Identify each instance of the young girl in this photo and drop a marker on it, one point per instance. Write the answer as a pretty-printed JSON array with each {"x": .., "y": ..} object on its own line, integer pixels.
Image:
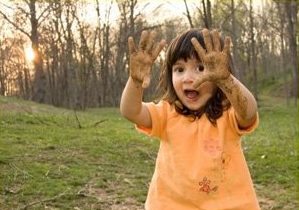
[{"x": 203, "y": 112}]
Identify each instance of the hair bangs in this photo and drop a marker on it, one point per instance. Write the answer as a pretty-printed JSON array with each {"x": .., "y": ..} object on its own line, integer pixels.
[{"x": 184, "y": 49}]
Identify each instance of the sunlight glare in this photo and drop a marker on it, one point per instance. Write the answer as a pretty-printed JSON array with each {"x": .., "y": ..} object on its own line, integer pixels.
[{"x": 29, "y": 53}]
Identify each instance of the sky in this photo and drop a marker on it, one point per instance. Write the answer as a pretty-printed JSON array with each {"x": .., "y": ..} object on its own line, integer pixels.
[{"x": 158, "y": 10}]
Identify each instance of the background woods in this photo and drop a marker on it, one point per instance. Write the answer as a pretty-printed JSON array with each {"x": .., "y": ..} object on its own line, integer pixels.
[{"x": 80, "y": 47}]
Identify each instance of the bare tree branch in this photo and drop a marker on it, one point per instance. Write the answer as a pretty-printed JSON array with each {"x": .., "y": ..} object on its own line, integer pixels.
[
  {"x": 15, "y": 25},
  {"x": 188, "y": 14},
  {"x": 41, "y": 17},
  {"x": 43, "y": 201}
]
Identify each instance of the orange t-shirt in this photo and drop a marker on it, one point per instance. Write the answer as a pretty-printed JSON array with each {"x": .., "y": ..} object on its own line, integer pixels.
[{"x": 199, "y": 166}]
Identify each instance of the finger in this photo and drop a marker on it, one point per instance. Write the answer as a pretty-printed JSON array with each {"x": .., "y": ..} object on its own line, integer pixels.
[
  {"x": 216, "y": 40},
  {"x": 150, "y": 42},
  {"x": 143, "y": 40},
  {"x": 227, "y": 43},
  {"x": 157, "y": 49},
  {"x": 146, "y": 81},
  {"x": 131, "y": 44},
  {"x": 199, "y": 49},
  {"x": 207, "y": 40}
]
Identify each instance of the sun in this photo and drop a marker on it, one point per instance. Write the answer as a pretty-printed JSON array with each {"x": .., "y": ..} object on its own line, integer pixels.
[{"x": 29, "y": 54}]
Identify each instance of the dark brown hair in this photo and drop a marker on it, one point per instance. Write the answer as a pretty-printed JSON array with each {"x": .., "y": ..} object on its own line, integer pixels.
[{"x": 182, "y": 48}]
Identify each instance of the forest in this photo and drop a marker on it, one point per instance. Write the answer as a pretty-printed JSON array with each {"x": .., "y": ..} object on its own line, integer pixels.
[{"x": 74, "y": 54}]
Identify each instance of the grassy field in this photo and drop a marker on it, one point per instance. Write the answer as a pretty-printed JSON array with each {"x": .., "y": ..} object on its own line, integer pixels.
[{"x": 53, "y": 158}]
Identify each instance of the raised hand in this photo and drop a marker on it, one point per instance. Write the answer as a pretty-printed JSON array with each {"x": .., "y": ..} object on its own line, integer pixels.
[
  {"x": 215, "y": 60},
  {"x": 143, "y": 57}
]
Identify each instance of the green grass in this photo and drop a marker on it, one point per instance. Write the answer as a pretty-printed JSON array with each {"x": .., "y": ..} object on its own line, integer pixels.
[
  {"x": 272, "y": 155},
  {"x": 48, "y": 162}
]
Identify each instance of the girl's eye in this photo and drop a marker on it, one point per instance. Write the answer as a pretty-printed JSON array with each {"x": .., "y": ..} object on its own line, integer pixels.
[
  {"x": 200, "y": 67},
  {"x": 178, "y": 69}
]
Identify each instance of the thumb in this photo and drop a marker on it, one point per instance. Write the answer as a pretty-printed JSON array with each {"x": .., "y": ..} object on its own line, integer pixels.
[
  {"x": 199, "y": 81},
  {"x": 146, "y": 81}
]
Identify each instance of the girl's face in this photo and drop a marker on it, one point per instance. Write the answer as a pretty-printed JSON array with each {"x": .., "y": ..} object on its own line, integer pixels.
[{"x": 184, "y": 74}]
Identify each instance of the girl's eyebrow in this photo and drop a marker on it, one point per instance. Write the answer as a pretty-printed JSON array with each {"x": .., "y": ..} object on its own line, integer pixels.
[{"x": 178, "y": 63}]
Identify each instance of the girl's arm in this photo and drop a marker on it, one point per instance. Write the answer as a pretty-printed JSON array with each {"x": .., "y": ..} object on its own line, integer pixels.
[
  {"x": 141, "y": 61},
  {"x": 216, "y": 69},
  {"x": 241, "y": 99},
  {"x": 131, "y": 106}
]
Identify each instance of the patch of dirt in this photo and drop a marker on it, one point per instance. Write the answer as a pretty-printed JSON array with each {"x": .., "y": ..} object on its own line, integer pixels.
[
  {"x": 15, "y": 107},
  {"x": 109, "y": 201},
  {"x": 273, "y": 197},
  {"x": 266, "y": 203},
  {"x": 269, "y": 199}
]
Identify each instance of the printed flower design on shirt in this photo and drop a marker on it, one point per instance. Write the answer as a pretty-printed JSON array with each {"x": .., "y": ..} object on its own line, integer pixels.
[
  {"x": 212, "y": 147},
  {"x": 205, "y": 186}
]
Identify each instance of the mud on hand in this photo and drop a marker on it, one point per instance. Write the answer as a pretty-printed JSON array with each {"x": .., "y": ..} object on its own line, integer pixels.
[{"x": 143, "y": 57}]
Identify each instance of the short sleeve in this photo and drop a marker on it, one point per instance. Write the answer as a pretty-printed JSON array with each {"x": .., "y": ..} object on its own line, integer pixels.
[
  {"x": 158, "y": 113},
  {"x": 234, "y": 123}
]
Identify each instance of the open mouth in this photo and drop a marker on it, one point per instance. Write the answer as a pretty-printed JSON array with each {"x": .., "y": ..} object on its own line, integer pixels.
[{"x": 191, "y": 94}]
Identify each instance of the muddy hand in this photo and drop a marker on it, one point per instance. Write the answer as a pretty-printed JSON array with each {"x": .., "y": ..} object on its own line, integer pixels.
[
  {"x": 215, "y": 60},
  {"x": 143, "y": 57}
]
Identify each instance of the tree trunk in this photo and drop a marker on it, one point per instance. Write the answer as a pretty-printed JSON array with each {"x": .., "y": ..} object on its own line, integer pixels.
[
  {"x": 2, "y": 73},
  {"x": 126, "y": 29},
  {"x": 40, "y": 83},
  {"x": 253, "y": 53},
  {"x": 71, "y": 68},
  {"x": 105, "y": 66},
  {"x": 188, "y": 15},
  {"x": 238, "y": 71},
  {"x": 207, "y": 13},
  {"x": 283, "y": 66},
  {"x": 291, "y": 12}
]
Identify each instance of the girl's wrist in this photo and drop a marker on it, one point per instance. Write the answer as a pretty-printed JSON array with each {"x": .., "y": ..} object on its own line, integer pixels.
[
  {"x": 225, "y": 80},
  {"x": 136, "y": 82},
  {"x": 227, "y": 84}
]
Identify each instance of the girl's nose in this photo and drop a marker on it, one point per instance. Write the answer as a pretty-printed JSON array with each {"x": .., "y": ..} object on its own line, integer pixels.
[{"x": 189, "y": 76}]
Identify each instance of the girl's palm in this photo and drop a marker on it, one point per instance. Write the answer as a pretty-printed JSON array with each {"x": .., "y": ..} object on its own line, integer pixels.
[
  {"x": 143, "y": 57},
  {"x": 215, "y": 61}
]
